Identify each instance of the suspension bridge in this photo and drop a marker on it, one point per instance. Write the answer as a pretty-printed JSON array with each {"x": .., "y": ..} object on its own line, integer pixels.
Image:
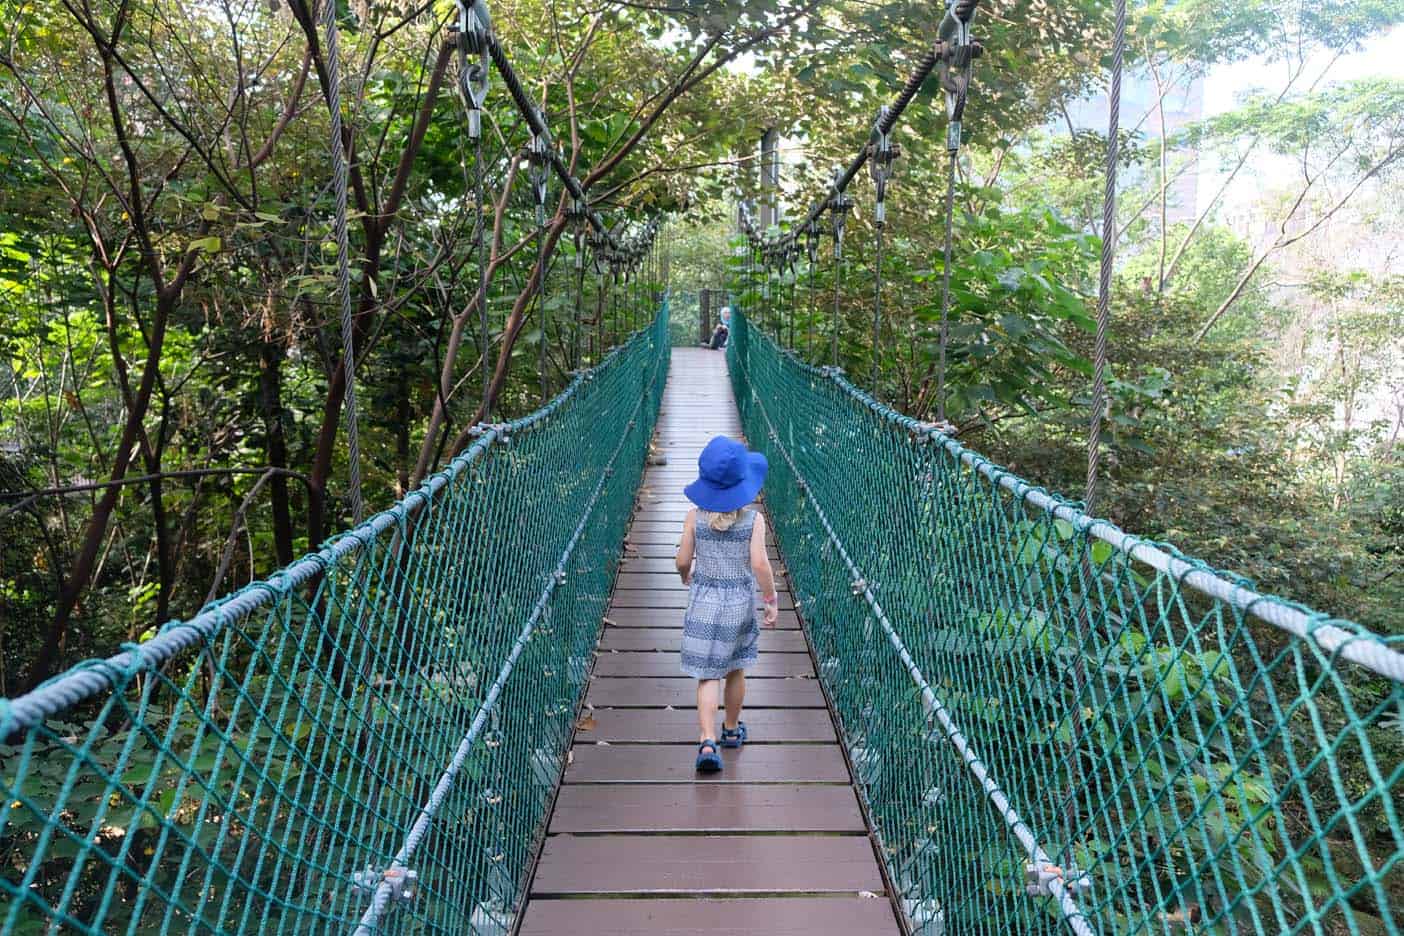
[{"x": 984, "y": 709}]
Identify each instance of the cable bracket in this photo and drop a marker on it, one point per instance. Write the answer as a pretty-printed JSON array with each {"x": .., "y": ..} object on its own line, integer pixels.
[
  {"x": 539, "y": 160},
  {"x": 882, "y": 153},
  {"x": 474, "y": 32},
  {"x": 404, "y": 883},
  {"x": 1040, "y": 878},
  {"x": 957, "y": 52},
  {"x": 839, "y": 207}
]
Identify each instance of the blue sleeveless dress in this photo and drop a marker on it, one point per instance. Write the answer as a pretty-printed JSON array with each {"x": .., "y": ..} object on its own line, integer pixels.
[{"x": 721, "y": 632}]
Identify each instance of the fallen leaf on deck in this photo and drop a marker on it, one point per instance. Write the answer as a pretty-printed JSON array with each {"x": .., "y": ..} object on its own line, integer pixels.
[{"x": 585, "y": 723}]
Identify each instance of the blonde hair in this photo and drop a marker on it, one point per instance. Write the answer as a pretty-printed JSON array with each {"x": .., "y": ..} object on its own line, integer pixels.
[{"x": 721, "y": 522}]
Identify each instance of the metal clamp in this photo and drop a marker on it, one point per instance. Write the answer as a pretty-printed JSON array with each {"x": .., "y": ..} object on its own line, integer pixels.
[
  {"x": 957, "y": 52},
  {"x": 474, "y": 33},
  {"x": 924, "y": 429},
  {"x": 599, "y": 251},
  {"x": 538, "y": 159},
  {"x": 404, "y": 882},
  {"x": 578, "y": 216},
  {"x": 503, "y": 430},
  {"x": 1039, "y": 879},
  {"x": 882, "y": 153},
  {"x": 578, "y": 213},
  {"x": 839, "y": 207}
]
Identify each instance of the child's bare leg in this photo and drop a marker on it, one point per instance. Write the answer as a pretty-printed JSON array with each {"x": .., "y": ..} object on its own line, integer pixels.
[
  {"x": 707, "y": 708},
  {"x": 735, "y": 695}
]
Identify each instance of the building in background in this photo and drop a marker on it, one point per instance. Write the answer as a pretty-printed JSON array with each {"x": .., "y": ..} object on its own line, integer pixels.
[{"x": 1140, "y": 105}]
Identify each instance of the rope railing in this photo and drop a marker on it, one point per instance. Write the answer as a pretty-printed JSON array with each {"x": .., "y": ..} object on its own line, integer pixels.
[
  {"x": 1237, "y": 757},
  {"x": 373, "y": 733},
  {"x": 622, "y": 251}
]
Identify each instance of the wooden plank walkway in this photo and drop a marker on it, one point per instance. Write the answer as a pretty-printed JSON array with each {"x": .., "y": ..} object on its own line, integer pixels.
[{"x": 638, "y": 842}]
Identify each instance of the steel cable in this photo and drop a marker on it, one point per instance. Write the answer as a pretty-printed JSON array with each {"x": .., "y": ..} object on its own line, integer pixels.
[{"x": 340, "y": 174}]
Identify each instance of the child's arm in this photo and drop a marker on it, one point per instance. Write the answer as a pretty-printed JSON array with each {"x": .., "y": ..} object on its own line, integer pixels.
[
  {"x": 683, "y": 559},
  {"x": 765, "y": 576}
]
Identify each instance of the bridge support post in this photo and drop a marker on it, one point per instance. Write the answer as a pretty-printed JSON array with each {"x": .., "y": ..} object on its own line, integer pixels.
[{"x": 704, "y": 314}]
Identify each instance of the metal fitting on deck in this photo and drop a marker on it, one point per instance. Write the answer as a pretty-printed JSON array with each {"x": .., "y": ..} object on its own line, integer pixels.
[
  {"x": 503, "y": 430},
  {"x": 404, "y": 883},
  {"x": 839, "y": 207},
  {"x": 538, "y": 162},
  {"x": 924, "y": 429},
  {"x": 474, "y": 29},
  {"x": 1039, "y": 879},
  {"x": 882, "y": 153}
]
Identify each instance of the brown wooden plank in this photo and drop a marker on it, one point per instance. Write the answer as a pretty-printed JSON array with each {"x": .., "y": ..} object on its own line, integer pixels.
[
  {"x": 672, "y": 617},
  {"x": 676, "y": 763},
  {"x": 653, "y": 536},
  {"x": 668, "y": 550},
  {"x": 664, "y": 638},
  {"x": 653, "y": 564},
  {"x": 663, "y": 565},
  {"x": 687, "y": 916},
  {"x": 681, "y": 692},
  {"x": 659, "y": 726},
  {"x": 723, "y": 864},
  {"x": 657, "y": 580},
  {"x": 659, "y": 663},
  {"x": 656, "y": 515},
  {"x": 664, "y": 581},
  {"x": 632, "y": 819},
  {"x": 636, "y": 598},
  {"x": 706, "y": 807}
]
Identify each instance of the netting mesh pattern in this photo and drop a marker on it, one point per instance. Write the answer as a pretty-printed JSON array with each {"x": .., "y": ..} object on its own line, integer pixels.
[
  {"x": 1022, "y": 688},
  {"x": 261, "y": 767}
]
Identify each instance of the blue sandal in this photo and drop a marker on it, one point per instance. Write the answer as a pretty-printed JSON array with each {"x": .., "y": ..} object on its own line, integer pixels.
[
  {"x": 708, "y": 761},
  {"x": 733, "y": 737}
]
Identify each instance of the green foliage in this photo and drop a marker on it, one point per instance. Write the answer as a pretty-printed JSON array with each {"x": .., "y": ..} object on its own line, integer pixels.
[
  {"x": 248, "y": 783},
  {"x": 1173, "y": 747}
]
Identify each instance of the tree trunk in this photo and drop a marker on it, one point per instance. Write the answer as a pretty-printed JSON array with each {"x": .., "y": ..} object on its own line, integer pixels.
[
  {"x": 271, "y": 354},
  {"x": 76, "y": 583}
]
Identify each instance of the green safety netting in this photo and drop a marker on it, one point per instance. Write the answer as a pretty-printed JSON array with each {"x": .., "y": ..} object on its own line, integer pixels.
[
  {"x": 1060, "y": 727},
  {"x": 386, "y": 717}
]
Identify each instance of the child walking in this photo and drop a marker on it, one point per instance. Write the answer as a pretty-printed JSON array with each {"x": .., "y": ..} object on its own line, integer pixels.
[{"x": 722, "y": 560}]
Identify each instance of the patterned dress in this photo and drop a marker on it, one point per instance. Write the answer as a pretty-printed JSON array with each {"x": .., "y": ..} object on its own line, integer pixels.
[{"x": 720, "y": 627}]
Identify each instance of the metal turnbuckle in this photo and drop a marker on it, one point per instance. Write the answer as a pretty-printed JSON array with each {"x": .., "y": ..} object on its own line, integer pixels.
[
  {"x": 474, "y": 33},
  {"x": 1039, "y": 879},
  {"x": 404, "y": 882}
]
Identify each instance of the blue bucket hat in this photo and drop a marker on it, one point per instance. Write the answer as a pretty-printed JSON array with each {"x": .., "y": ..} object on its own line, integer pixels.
[{"x": 729, "y": 476}]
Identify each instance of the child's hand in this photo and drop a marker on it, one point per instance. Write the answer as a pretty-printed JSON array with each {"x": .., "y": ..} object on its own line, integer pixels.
[
  {"x": 686, "y": 575},
  {"x": 771, "y": 613}
]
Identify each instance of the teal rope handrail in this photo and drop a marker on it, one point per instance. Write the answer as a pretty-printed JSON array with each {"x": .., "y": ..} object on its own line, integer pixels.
[
  {"x": 406, "y": 692},
  {"x": 1233, "y": 764}
]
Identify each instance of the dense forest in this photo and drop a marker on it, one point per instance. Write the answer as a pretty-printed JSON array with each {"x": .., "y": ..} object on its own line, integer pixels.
[
  {"x": 174, "y": 382},
  {"x": 168, "y": 272},
  {"x": 171, "y": 370}
]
